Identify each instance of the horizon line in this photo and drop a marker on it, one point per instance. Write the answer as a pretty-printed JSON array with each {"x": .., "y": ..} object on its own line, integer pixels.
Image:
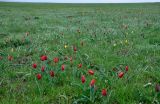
[
  {"x": 81, "y": 2},
  {"x": 76, "y": 2}
]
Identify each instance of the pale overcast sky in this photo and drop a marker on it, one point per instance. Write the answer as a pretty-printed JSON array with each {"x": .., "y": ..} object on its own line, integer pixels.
[{"x": 83, "y": 1}]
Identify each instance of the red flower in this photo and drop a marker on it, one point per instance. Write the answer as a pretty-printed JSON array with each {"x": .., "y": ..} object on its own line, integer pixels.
[
  {"x": 10, "y": 58},
  {"x": 92, "y": 82},
  {"x": 120, "y": 74},
  {"x": 42, "y": 68},
  {"x": 104, "y": 92},
  {"x": 75, "y": 49},
  {"x": 43, "y": 58},
  {"x": 63, "y": 67},
  {"x": 39, "y": 76},
  {"x": 79, "y": 65},
  {"x": 83, "y": 79},
  {"x": 52, "y": 73},
  {"x": 126, "y": 68},
  {"x": 34, "y": 65},
  {"x": 56, "y": 59},
  {"x": 90, "y": 72}
]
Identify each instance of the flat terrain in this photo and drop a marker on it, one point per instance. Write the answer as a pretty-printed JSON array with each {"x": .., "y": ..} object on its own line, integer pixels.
[{"x": 103, "y": 38}]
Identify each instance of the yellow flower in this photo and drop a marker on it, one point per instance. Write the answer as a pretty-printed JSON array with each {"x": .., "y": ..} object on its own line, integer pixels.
[
  {"x": 126, "y": 41},
  {"x": 65, "y": 46}
]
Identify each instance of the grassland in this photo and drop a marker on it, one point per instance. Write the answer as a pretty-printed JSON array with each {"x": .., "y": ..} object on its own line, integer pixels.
[{"x": 113, "y": 35}]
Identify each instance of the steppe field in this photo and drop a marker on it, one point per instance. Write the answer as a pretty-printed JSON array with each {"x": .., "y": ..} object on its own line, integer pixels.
[{"x": 79, "y": 53}]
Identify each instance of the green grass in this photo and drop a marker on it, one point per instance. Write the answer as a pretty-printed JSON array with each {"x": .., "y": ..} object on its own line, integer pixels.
[{"x": 104, "y": 28}]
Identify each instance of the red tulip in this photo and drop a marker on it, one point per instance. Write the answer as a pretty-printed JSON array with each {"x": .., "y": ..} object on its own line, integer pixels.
[
  {"x": 75, "y": 49},
  {"x": 92, "y": 82},
  {"x": 63, "y": 67},
  {"x": 120, "y": 74},
  {"x": 52, "y": 73},
  {"x": 79, "y": 65},
  {"x": 126, "y": 68},
  {"x": 83, "y": 79},
  {"x": 91, "y": 72},
  {"x": 10, "y": 58},
  {"x": 56, "y": 59},
  {"x": 39, "y": 76},
  {"x": 43, "y": 58},
  {"x": 34, "y": 65},
  {"x": 42, "y": 68},
  {"x": 104, "y": 92}
]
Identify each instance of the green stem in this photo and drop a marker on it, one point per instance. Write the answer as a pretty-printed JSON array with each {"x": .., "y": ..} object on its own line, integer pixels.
[{"x": 39, "y": 89}]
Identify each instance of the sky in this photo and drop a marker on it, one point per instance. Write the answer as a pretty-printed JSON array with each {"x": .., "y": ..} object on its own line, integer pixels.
[{"x": 83, "y": 1}]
